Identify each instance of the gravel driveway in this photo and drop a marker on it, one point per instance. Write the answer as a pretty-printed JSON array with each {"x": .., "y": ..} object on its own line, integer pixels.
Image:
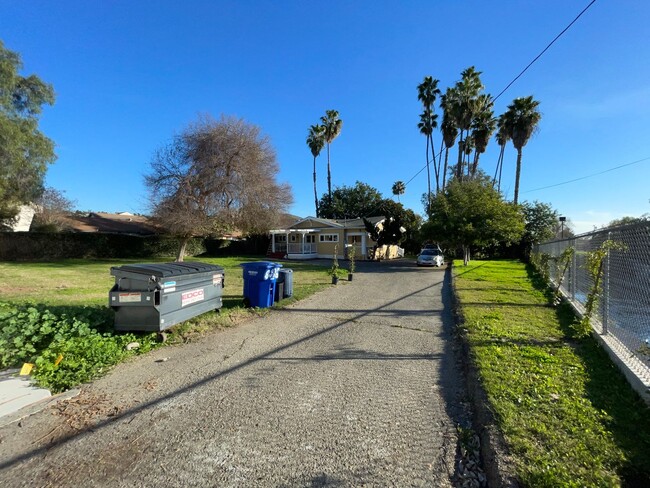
[{"x": 355, "y": 386}]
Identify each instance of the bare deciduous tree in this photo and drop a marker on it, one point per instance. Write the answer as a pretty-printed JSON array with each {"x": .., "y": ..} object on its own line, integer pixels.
[
  {"x": 52, "y": 208},
  {"x": 216, "y": 176}
]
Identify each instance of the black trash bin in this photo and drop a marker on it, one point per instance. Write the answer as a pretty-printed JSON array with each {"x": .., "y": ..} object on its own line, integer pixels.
[{"x": 154, "y": 297}]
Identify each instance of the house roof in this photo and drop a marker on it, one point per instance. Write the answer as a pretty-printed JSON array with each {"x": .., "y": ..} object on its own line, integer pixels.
[
  {"x": 318, "y": 223},
  {"x": 118, "y": 223}
]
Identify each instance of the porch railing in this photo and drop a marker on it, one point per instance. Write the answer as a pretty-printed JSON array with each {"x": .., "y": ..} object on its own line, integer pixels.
[{"x": 299, "y": 248}]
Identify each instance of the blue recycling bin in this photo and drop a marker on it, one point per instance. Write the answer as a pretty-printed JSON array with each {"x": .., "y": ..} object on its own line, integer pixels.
[{"x": 259, "y": 283}]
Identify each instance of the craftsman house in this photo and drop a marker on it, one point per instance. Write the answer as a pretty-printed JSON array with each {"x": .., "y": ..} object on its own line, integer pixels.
[{"x": 311, "y": 238}]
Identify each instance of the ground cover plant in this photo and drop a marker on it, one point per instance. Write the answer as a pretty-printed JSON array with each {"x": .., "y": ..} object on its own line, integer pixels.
[
  {"x": 56, "y": 316},
  {"x": 567, "y": 414}
]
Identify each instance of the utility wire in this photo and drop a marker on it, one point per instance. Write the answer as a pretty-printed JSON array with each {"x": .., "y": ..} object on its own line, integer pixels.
[
  {"x": 526, "y": 68},
  {"x": 545, "y": 49},
  {"x": 588, "y": 176}
]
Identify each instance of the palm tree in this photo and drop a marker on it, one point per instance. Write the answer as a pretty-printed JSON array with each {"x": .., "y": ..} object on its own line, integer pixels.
[
  {"x": 448, "y": 128},
  {"x": 463, "y": 101},
  {"x": 316, "y": 141},
  {"x": 483, "y": 127},
  {"x": 502, "y": 139},
  {"x": 521, "y": 120},
  {"x": 399, "y": 188},
  {"x": 427, "y": 93},
  {"x": 332, "y": 125},
  {"x": 426, "y": 125}
]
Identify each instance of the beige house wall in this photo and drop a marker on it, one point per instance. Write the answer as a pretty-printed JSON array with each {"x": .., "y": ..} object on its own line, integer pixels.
[{"x": 327, "y": 248}]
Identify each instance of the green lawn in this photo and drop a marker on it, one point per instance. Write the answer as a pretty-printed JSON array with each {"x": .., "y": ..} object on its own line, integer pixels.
[
  {"x": 87, "y": 282},
  {"x": 56, "y": 315},
  {"x": 567, "y": 413}
]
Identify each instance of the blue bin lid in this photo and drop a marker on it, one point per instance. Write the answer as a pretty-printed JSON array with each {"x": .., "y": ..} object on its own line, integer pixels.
[
  {"x": 260, "y": 264},
  {"x": 261, "y": 270}
]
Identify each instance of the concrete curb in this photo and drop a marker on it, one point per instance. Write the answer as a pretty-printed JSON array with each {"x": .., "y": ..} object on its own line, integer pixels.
[
  {"x": 497, "y": 461},
  {"x": 37, "y": 407}
]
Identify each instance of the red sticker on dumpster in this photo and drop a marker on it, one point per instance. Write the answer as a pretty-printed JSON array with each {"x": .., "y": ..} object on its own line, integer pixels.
[
  {"x": 192, "y": 296},
  {"x": 130, "y": 297}
]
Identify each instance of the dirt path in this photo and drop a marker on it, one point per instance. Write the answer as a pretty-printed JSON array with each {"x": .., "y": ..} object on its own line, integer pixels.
[{"x": 357, "y": 385}]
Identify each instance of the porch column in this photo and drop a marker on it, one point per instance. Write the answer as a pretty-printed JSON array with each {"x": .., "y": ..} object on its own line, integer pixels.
[
  {"x": 287, "y": 243},
  {"x": 364, "y": 251},
  {"x": 302, "y": 235},
  {"x": 273, "y": 242}
]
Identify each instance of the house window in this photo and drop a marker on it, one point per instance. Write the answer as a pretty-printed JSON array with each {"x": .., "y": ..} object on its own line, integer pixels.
[
  {"x": 310, "y": 239},
  {"x": 329, "y": 238},
  {"x": 280, "y": 238},
  {"x": 293, "y": 237}
]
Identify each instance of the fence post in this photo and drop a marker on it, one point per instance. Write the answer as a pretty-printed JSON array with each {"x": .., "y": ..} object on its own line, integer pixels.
[
  {"x": 605, "y": 297},
  {"x": 573, "y": 273}
]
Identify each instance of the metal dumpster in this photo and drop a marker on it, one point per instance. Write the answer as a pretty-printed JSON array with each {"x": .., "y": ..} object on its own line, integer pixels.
[
  {"x": 154, "y": 297},
  {"x": 259, "y": 283}
]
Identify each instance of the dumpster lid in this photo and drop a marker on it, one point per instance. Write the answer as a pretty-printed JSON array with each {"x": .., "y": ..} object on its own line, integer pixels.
[{"x": 164, "y": 270}]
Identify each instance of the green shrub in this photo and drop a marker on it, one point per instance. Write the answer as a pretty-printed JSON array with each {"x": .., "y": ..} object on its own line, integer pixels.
[{"x": 80, "y": 335}]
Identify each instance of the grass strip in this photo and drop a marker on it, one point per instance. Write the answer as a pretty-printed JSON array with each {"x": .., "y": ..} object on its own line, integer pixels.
[{"x": 566, "y": 412}]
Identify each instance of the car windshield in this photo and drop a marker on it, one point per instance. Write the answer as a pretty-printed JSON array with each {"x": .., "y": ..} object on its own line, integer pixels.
[{"x": 430, "y": 252}]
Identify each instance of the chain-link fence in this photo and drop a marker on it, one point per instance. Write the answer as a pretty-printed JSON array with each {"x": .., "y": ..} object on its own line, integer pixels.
[{"x": 622, "y": 316}]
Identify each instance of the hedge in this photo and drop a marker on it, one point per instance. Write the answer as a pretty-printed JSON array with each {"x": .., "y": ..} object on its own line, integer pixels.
[{"x": 31, "y": 246}]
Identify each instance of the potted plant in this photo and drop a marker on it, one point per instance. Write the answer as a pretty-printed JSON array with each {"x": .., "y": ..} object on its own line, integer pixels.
[
  {"x": 351, "y": 253},
  {"x": 334, "y": 270}
]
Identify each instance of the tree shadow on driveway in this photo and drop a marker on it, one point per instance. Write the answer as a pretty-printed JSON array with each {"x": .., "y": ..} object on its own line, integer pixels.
[{"x": 449, "y": 382}]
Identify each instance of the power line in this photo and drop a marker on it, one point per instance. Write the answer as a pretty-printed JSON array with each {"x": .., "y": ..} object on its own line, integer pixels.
[
  {"x": 588, "y": 176},
  {"x": 545, "y": 49},
  {"x": 526, "y": 69}
]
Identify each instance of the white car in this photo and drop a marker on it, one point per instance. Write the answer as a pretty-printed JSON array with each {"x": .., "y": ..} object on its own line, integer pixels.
[{"x": 430, "y": 257}]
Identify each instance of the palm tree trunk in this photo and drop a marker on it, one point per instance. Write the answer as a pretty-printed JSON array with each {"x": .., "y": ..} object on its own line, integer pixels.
[
  {"x": 496, "y": 169},
  {"x": 517, "y": 175},
  {"x": 428, "y": 180},
  {"x": 503, "y": 151},
  {"x": 475, "y": 164},
  {"x": 444, "y": 174},
  {"x": 315, "y": 193},
  {"x": 436, "y": 170},
  {"x": 459, "y": 167},
  {"x": 329, "y": 173}
]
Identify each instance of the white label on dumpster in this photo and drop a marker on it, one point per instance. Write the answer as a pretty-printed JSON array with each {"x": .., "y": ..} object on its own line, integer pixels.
[
  {"x": 192, "y": 296},
  {"x": 130, "y": 297},
  {"x": 217, "y": 279},
  {"x": 169, "y": 286}
]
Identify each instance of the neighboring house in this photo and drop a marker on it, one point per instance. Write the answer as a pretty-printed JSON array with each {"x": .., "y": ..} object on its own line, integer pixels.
[
  {"x": 117, "y": 223},
  {"x": 22, "y": 221},
  {"x": 311, "y": 238}
]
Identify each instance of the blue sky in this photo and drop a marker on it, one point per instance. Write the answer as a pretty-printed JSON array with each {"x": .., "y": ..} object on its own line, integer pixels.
[{"x": 128, "y": 75}]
